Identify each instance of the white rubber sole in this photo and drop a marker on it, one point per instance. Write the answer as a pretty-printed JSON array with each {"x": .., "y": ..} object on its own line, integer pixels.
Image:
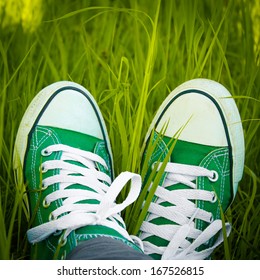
[
  {"x": 33, "y": 111},
  {"x": 222, "y": 97}
]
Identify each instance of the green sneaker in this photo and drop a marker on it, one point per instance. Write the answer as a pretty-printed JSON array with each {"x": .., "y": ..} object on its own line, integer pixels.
[
  {"x": 201, "y": 176},
  {"x": 63, "y": 155}
]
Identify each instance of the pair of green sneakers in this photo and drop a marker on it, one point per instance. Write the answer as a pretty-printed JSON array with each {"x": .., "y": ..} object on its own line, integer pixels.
[{"x": 62, "y": 154}]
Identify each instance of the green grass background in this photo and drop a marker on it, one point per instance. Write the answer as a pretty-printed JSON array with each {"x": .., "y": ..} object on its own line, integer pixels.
[{"x": 130, "y": 55}]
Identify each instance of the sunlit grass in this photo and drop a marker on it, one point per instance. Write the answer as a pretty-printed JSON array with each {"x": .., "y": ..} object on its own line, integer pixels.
[{"x": 130, "y": 55}]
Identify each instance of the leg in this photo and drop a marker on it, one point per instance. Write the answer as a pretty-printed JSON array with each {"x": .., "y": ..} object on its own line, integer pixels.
[{"x": 105, "y": 248}]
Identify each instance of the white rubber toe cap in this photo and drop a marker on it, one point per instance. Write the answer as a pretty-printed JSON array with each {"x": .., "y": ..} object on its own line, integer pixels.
[
  {"x": 199, "y": 117},
  {"x": 70, "y": 109}
]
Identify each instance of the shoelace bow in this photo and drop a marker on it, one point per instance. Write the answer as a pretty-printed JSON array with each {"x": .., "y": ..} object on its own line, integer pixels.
[
  {"x": 73, "y": 213},
  {"x": 182, "y": 214}
]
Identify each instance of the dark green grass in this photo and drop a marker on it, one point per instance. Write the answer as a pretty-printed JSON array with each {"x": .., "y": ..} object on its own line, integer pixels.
[{"x": 130, "y": 55}]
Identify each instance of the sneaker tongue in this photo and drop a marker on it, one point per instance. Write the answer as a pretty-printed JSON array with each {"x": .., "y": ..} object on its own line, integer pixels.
[
  {"x": 188, "y": 153},
  {"x": 87, "y": 143},
  {"x": 76, "y": 139},
  {"x": 212, "y": 158}
]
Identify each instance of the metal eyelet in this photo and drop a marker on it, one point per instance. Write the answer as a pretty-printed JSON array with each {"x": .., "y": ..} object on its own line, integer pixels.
[
  {"x": 57, "y": 232},
  {"x": 45, "y": 204},
  {"x": 51, "y": 217},
  {"x": 214, "y": 197},
  {"x": 43, "y": 187},
  {"x": 46, "y": 152},
  {"x": 211, "y": 219},
  {"x": 43, "y": 168},
  {"x": 214, "y": 178}
]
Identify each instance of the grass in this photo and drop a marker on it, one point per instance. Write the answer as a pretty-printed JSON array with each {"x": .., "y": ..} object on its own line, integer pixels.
[{"x": 130, "y": 55}]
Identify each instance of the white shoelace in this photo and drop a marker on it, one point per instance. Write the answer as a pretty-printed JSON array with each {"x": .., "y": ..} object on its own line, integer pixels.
[
  {"x": 72, "y": 214},
  {"x": 182, "y": 213}
]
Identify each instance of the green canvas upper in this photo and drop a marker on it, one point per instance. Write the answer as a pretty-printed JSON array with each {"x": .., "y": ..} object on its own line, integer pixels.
[
  {"x": 40, "y": 138},
  {"x": 212, "y": 158}
]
